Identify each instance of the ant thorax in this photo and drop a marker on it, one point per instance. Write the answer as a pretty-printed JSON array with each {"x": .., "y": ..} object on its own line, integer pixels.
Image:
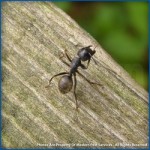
[{"x": 75, "y": 63}]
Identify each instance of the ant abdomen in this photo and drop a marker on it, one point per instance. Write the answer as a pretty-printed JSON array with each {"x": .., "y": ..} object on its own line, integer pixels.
[{"x": 65, "y": 84}]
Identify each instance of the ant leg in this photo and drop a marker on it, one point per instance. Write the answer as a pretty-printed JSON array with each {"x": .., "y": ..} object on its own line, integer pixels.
[
  {"x": 88, "y": 79},
  {"x": 55, "y": 76},
  {"x": 88, "y": 63},
  {"x": 69, "y": 58},
  {"x": 75, "y": 83},
  {"x": 83, "y": 66},
  {"x": 65, "y": 62}
]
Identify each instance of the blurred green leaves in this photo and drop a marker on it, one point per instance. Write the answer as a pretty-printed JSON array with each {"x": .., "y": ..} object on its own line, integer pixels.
[
  {"x": 64, "y": 5},
  {"x": 120, "y": 27}
]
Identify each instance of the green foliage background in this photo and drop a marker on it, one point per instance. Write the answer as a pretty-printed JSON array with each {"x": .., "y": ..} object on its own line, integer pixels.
[{"x": 120, "y": 27}]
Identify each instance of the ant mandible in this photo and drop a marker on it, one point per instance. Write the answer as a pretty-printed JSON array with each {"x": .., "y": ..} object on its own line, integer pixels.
[{"x": 66, "y": 82}]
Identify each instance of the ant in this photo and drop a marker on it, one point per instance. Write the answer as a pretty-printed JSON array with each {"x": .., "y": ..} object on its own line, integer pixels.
[{"x": 66, "y": 82}]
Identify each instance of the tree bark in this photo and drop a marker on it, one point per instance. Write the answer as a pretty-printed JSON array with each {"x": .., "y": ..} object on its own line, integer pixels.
[{"x": 34, "y": 35}]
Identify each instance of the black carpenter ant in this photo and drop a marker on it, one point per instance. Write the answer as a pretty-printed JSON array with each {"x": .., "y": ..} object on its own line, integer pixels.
[{"x": 65, "y": 83}]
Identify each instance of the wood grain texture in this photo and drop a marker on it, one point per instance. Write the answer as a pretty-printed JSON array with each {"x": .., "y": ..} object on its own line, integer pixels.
[{"x": 34, "y": 34}]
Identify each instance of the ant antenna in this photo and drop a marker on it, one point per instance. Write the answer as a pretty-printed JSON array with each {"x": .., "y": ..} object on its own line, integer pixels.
[
  {"x": 94, "y": 61},
  {"x": 92, "y": 57},
  {"x": 95, "y": 47}
]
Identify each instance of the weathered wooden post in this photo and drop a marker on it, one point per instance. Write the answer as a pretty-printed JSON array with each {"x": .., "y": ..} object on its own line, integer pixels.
[{"x": 34, "y": 34}]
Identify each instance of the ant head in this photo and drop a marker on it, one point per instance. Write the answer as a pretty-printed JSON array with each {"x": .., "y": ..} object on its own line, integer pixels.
[
  {"x": 89, "y": 50},
  {"x": 92, "y": 52},
  {"x": 86, "y": 53}
]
